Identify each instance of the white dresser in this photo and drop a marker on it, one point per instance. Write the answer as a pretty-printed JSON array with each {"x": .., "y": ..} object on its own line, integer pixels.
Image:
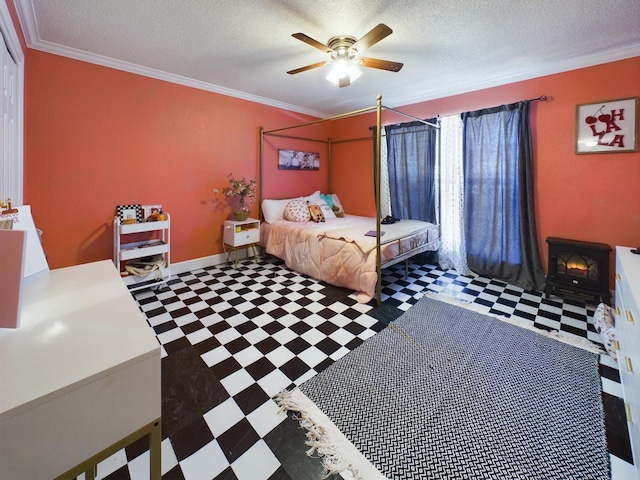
[
  {"x": 79, "y": 379},
  {"x": 628, "y": 334}
]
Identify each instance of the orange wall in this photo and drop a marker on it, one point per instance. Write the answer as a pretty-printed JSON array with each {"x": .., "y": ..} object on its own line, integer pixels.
[
  {"x": 97, "y": 137},
  {"x": 586, "y": 197}
]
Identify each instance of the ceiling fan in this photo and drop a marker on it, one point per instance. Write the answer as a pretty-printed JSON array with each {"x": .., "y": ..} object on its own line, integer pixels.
[{"x": 344, "y": 52}]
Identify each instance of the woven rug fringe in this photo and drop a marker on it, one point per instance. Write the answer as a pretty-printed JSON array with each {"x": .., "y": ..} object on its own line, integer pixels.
[
  {"x": 564, "y": 337},
  {"x": 337, "y": 452}
]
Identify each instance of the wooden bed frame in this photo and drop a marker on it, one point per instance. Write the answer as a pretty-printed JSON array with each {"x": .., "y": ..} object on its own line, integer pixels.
[{"x": 378, "y": 140}]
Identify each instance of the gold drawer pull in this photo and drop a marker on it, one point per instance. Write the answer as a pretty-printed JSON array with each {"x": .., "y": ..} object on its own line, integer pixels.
[
  {"x": 616, "y": 345},
  {"x": 617, "y": 310},
  {"x": 629, "y": 316},
  {"x": 629, "y": 365},
  {"x": 627, "y": 410},
  {"x": 618, "y": 276}
]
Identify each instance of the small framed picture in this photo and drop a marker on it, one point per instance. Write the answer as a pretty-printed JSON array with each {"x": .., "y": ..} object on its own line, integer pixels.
[
  {"x": 607, "y": 127},
  {"x": 130, "y": 213},
  {"x": 148, "y": 210},
  {"x": 298, "y": 160}
]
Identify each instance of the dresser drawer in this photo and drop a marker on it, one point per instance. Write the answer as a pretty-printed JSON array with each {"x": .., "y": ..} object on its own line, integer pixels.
[
  {"x": 247, "y": 236},
  {"x": 240, "y": 233},
  {"x": 627, "y": 324}
]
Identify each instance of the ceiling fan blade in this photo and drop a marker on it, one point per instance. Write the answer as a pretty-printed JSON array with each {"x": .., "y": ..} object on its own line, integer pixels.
[
  {"x": 376, "y": 34},
  {"x": 308, "y": 67},
  {"x": 310, "y": 41},
  {"x": 380, "y": 64},
  {"x": 344, "y": 81}
]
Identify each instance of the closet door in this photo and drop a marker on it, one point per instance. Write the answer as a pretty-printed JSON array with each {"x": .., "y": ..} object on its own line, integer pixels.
[{"x": 10, "y": 161}]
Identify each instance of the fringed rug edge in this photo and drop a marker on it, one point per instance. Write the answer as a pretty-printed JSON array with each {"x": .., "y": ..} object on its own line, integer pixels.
[
  {"x": 337, "y": 452},
  {"x": 564, "y": 337}
]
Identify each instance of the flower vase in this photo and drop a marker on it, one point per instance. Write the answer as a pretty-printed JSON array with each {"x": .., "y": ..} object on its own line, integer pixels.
[{"x": 243, "y": 212}]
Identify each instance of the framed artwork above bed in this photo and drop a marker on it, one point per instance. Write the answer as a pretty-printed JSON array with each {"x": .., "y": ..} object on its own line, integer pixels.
[{"x": 298, "y": 160}]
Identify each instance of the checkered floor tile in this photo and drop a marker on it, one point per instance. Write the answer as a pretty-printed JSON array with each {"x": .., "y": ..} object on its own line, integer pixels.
[{"x": 231, "y": 339}]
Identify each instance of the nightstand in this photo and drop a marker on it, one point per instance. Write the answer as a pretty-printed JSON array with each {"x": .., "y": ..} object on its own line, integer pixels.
[{"x": 241, "y": 234}]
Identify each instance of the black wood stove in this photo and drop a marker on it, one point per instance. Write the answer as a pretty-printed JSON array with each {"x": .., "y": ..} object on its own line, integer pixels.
[{"x": 578, "y": 268}]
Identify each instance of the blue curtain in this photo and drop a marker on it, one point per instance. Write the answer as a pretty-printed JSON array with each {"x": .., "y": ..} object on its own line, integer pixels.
[
  {"x": 499, "y": 220},
  {"x": 411, "y": 160}
]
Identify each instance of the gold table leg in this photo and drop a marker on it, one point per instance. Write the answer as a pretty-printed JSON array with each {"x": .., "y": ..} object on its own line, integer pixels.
[
  {"x": 235, "y": 250},
  {"x": 152, "y": 430}
]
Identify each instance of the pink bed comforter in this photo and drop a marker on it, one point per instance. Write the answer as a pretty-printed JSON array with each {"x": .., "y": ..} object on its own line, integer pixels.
[{"x": 338, "y": 252}]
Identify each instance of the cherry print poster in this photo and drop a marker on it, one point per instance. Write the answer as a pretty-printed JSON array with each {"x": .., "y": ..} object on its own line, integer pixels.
[{"x": 607, "y": 127}]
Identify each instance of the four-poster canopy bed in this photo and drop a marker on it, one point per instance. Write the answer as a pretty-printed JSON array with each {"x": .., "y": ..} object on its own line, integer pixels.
[{"x": 350, "y": 251}]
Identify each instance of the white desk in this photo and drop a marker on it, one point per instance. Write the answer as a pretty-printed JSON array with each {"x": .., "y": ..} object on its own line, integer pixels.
[{"x": 81, "y": 374}]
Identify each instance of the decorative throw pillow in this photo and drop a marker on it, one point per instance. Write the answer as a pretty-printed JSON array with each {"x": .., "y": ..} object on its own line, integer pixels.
[
  {"x": 336, "y": 202},
  {"x": 327, "y": 211},
  {"x": 604, "y": 323},
  {"x": 327, "y": 198},
  {"x": 296, "y": 211},
  {"x": 603, "y": 317},
  {"x": 316, "y": 213}
]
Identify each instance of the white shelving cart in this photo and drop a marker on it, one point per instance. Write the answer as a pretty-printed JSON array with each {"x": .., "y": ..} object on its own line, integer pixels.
[{"x": 148, "y": 251}]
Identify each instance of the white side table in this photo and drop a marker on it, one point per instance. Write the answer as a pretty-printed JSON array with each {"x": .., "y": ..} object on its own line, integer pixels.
[{"x": 241, "y": 234}]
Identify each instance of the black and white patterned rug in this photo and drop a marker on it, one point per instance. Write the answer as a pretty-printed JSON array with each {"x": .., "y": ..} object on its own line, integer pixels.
[{"x": 446, "y": 392}]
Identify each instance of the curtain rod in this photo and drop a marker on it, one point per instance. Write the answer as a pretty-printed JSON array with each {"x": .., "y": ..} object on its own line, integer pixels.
[
  {"x": 541, "y": 98},
  {"x": 426, "y": 122},
  {"x": 321, "y": 120},
  {"x": 426, "y": 129}
]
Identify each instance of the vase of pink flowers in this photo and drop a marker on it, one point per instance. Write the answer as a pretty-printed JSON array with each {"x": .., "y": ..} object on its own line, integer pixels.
[{"x": 245, "y": 190}]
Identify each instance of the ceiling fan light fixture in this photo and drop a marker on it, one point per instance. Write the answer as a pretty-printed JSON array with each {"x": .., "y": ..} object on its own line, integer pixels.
[
  {"x": 342, "y": 69},
  {"x": 344, "y": 53}
]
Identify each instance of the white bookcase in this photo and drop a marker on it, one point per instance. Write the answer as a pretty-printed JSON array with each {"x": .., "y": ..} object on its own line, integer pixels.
[{"x": 141, "y": 246}]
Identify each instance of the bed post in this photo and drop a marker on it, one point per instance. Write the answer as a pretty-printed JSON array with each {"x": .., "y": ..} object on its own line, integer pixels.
[
  {"x": 329, "y": 190},
  {"x": 439, "y": 159},
  {"x": 377, "y": 192},
  {"x": 261, "y": 150}
]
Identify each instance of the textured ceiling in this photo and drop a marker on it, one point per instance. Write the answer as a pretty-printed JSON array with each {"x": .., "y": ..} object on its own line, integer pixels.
[{"x": 244, "y": 47}]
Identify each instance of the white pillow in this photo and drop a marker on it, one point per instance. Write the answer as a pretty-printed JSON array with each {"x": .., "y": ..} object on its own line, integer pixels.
[
  {"x": 313, "y": 197},
  {"x": 297, "y": 211},
  {"x": 336, "y": 201},
  {"x": 274, "y": 209}
]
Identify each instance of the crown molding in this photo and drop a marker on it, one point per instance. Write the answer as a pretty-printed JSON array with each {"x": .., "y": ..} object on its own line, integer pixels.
[
  {"x": 167, "y": 77},
  {"x": 29, "y": 26},
  {"x": 559, "y": 67},
  {"x": 8, "y": 31},
  {"x": 28, "y": 23}
]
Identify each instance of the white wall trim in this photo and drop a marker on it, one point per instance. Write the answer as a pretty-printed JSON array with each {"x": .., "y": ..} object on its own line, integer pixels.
[
  {"x": 203, "y": 262},
  {"x": 533, "y": 72},
  {"x": 167, "y": 77},
  {"x": 25, "y": 12},
  {"x": 32, "y": 38},
  {"x": 196, "y": 264},
  {"x": 10, "y": 35}
]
